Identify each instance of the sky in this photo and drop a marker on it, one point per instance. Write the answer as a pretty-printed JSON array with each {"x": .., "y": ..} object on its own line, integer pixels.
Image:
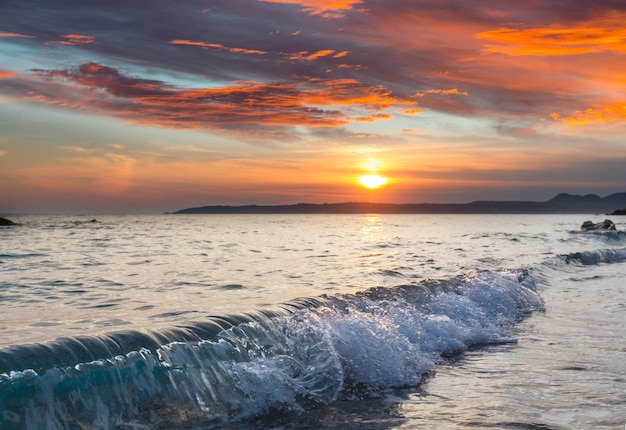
[{"x": 146, "y": 106}]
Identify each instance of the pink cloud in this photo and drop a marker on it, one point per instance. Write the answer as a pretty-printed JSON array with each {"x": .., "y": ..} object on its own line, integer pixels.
[
  {"x": 5, "y": 74},
  {"x": 16, "y": 35},
  {"x": 73, "y": 40},
  {"x": 216, "y": 46}
]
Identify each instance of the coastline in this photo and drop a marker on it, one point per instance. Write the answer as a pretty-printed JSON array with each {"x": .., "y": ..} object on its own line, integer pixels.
[{"x": 561, "y": 204}]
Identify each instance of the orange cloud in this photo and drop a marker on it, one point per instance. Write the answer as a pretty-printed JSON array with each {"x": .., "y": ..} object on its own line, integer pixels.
[
  {"x": 375, "y": 117},
  {"x": 450, "y": 92},
  {"x": 100, "y": 89},
  {"x": 606, "y": 34},
  {"x": 587, "y": 116},
  {"x": 73, "y": 40},
  {"x": 4, "y": 74},
  {"x": 16, "y": 35},
  {"x": 305, "y": 56},
  {"x": 351, "y": 92},
  {"x": 297, "y": 56},
  {"x": 413, "y": 111},
  {"x": 216, "y": 46},
  {"x": 316, "y": 7}
]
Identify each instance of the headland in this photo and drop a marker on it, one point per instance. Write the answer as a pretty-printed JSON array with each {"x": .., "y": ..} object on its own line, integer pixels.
[{"x": 561, "y": 204}]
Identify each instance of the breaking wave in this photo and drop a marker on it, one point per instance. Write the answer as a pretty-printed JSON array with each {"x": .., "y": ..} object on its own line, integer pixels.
[{"x": 230, "y": 369}]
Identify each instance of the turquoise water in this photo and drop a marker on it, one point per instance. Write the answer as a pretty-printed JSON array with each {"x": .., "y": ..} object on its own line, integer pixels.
[{"x": 309, "y": 321}]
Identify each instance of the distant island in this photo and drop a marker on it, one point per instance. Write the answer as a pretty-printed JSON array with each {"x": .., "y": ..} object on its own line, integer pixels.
[{"x": 561, "y": 204}]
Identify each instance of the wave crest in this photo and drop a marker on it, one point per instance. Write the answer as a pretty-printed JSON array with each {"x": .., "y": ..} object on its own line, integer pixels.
[
  {"x": 591, "y": 258},
  {"x": 231, "y": 369}
]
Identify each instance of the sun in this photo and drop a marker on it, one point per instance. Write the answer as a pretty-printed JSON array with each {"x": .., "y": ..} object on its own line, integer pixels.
[{"x": 372, "y": 181}]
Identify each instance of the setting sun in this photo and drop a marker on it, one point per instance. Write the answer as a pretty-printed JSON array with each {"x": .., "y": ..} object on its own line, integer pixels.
[{"x": 372, "y": 181}]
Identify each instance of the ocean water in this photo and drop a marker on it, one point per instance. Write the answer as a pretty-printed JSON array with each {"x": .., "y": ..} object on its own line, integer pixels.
[{"x": 312, "y": 321}]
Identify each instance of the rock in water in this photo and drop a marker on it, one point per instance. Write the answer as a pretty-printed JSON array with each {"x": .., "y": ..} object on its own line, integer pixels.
[
  {"x": 4, "y": 221},
  {"x": 605, "y": 225}
]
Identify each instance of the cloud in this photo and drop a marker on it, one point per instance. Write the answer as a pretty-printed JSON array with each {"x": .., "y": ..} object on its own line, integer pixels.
[
  {"x": 411, "y": 111},
  {"x": 24, "y": 36},
  {"x": 305, "y": 56},
  {"x": 375, "y": 117},
  {"x": 78, "y": 149},
  {"x": 216, "y": 46},
  {"x": 336, "y": 71},
  {"x": 301, "y": 56},
  {"x": 72, "y": 40},
  {"x": 108, "y": 80},
  {"x": 99, "y": 89},
  {"x": 590, "y": 116},
  {"x": 4, "y": 74},
  {"x": 327, "y": 7},
  {"x": 603, "y": 34},
  {"x": 452, "y": 91}
]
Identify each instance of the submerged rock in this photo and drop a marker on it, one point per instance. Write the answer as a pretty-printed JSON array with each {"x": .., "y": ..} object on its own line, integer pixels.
[
  {"x": 5, "y": 221},
  {"x": 607, "y": 224}
]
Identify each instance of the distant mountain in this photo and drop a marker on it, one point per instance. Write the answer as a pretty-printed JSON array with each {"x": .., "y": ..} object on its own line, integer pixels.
[{"x": 561, "y": 204}]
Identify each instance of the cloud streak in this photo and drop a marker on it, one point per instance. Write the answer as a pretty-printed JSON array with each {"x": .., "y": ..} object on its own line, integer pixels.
[
  {"x": 100, "y": 89},
  {"x": 24, "y": 36},
  {"x": 217, "y": 46},
  {"x": 72, "y": 40}
]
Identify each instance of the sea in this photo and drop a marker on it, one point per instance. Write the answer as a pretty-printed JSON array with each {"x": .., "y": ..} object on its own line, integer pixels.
[{"x": 369, "y": 321}]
